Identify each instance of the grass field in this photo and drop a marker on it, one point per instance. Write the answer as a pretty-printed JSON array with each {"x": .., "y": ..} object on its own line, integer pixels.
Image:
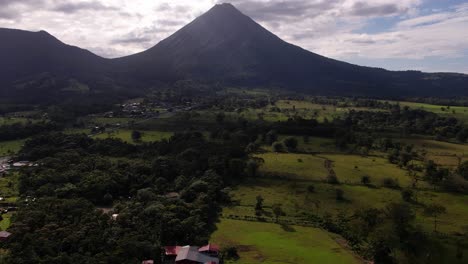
[
  {"x": 8, "y": 147},
  {"x": 314, "y": 144},
  {"x": 296, "y": 200},
  {"x": 459, "y": 112},
  {"x": 273, "y": 244},
  {"x": 126, "y": 135},
  {"x": 13, "y": 120},
  {"x": 113, "y": 121},
  {"x": 349, "y": 168},
  {"x": 443, "y": 153},
  {"x": 294, "y": 166}
]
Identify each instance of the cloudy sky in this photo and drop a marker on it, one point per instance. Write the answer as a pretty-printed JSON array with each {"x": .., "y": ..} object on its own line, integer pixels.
[{"x": 427, "y": 35}]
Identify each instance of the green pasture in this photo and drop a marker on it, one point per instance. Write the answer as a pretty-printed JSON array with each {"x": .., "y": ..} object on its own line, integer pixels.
[
  {"x": 443, "y": 153},
  {"x": 459, "y": 112},
  {"x": 269, "y": 243},
  {"x": 348, "y": 168},
  {"x": 13, "y": 120},
  {"x": 351, "y": 168},
  {"x": 296, "y": 201},
  {"x": 313, "y": 144},
  {"x": 126, "y": 135},
  {"x": 10, "y": 147},
  {"x": 294, "y": 166},
  {"x": 123, "y": 121}
]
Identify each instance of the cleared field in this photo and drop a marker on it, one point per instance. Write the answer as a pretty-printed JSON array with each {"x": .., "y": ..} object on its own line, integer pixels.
[
  {"x": 348, "y": 168},
  {"x": 126, "y": 135},
  {"x": 272, "y": 244},
  {"x": 296, "y": 200},
  {"x": 6, "y": 222},
  {"x": 459, "y": 112},
  {"x": 351, "y": 168},
  {"x": 443, "y": 153},
  {"x": 112, "y": 121},
  {"x": 314, "y": 144},
  {"x": 294, "y": 166},
  {"x": 9, "y": 147},
  {"x": 13, "y": 120}
]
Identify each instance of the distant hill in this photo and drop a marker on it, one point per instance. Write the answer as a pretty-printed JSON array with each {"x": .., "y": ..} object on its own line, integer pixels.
[
  {"x": 36, "y": 66},
  {"x": 221, "y": 46}
]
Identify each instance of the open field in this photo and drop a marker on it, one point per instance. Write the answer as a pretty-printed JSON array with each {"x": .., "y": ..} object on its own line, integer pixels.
[
  {"x": 443, "y": 153},
  {"x": 113, "y": 121},
  {"x": 313, "y": 144},
  {"x": 349, "y": 168},
  {"x": 273, "y": 244},
  {"x": 296, "y": 201},
  {"x": 294, "y": 166},
  {"x": 459, "y": 112},
  {"x": 9, "y": 147},
  {"x": 13, "y": 120},
  {"x": 126, "y": 135}
]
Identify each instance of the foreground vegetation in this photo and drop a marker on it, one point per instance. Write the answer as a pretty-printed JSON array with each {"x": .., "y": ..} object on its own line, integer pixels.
[{"x": 281, "y": 178}]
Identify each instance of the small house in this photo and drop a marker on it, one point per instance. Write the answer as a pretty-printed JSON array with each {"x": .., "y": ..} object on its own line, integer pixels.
[
  {"x": 4, "y": 235},
  {"x": 191, "y": 255},
  {"x": 210, "y": 250}
]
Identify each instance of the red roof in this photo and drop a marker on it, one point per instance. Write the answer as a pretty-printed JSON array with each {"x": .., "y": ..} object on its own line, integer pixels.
[
  {"x": 210, "y": 248},
  {"x": 172, "y": 250},
  {"x": 4, "y": 234}
]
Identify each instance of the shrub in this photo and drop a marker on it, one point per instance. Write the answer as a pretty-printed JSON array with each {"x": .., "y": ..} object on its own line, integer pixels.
[
  {"x": 407, "y": 195},
  {"x": 332, "y": 179},
  {"x": 391, "y": 183},
  {"x": 230, "y": 253},
  {"x": 290, "y": 143},
  {"x": 278, "y": 146},
  {"x": 339, "y": 195},
  {"x": 366, "y": 180}
]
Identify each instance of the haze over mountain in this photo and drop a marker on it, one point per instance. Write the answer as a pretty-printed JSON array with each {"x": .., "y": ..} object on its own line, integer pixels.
[{"x": 225, "y": 46}]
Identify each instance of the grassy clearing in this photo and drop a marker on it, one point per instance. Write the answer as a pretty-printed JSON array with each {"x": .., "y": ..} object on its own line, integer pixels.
[
  {"x": 318, "y": 111},
  {"x": 113, "y": 121},
  {"x": 443, "y": 153},
  {"x": 459, "y": 112},
  {"x": 351, "y": 168},
  {"x": 314, "y": 144},
  {"x": 10, "y": 147},
  {"x": 13, "y": 120},
  {"x": 297, "y": 200},
  {"x": 6, "y": 222},
  {"x": 271, "y": 244},
  {"x": 9, "y": 186},
  {"x": 126, "y": 135},
  {"x": 294, "y": 166}
]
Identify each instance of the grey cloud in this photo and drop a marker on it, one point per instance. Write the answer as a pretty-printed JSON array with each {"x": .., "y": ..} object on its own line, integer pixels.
[
  {"x": 273, "y": 10},
  {"x": 7, "y": 13},
  {"x": 364, "y": 9},
  {"x": 70, "y": 8},
  {"x": 12, "y": 10},
  {"x": 165, "y": 7},
  {"x": 131, "y": 40}
]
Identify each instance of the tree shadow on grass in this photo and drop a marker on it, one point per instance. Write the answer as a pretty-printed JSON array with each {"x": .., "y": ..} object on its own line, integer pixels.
[{"x": 288, "y": 228}]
